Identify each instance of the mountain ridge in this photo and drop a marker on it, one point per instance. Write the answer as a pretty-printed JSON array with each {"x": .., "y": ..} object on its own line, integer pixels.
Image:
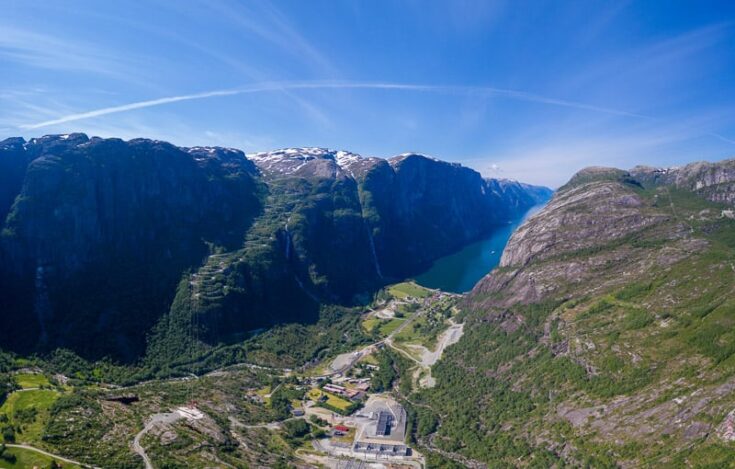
[
  {"x": 114, "y": 237},
  {"x": 603, "y": 338}
]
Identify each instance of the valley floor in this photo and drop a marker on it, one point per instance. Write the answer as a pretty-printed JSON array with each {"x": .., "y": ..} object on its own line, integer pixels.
[{"x": 324, "y": 414}]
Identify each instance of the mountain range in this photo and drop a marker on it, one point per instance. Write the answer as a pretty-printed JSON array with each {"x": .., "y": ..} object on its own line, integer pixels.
[{"x": 115, "y": 248}]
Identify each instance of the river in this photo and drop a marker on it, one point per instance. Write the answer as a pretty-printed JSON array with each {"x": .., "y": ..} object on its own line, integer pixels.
[{"x": 459, "y": 272}]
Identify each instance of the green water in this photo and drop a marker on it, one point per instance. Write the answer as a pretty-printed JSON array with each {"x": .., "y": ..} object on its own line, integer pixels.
[{"x": 459, "y": 272}]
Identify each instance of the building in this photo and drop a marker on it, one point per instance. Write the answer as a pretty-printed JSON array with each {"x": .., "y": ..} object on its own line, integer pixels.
[
  {"x": 383, "y": 426},
  {"x": 341, "y": 391},
  {"x": 383, "y": 431}
]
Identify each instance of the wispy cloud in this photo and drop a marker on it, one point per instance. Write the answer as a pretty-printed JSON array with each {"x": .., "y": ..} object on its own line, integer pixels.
[
  {"x": 271, "y": 25},
  {"x": 43, "y": 50},
  {"x": 293, "y": 86}
]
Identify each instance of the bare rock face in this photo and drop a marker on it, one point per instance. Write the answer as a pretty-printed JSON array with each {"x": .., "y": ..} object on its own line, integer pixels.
[
  {"x": 590, "y": 225},
  {"x": 578, "y": 218},
  {"x": 714, "y": 181}
]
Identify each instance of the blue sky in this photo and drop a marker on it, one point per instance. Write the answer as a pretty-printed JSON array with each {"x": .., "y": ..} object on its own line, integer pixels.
[{"x": 530, "y": 90}]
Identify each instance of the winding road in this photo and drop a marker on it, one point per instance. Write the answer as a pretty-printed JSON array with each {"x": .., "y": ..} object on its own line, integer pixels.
[
  {"x": 50, "y": 455},
  {"x": 169, "y": 417}
]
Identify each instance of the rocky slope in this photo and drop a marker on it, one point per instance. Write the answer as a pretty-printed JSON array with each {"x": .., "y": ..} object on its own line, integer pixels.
[
  {"x": 714, "y": 181},
  {"x": 106, "y": 243},
  {"x": 604, "y": 338}
]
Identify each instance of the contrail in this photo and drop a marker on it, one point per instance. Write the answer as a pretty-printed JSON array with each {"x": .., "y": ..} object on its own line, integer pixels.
[
  {"x": 286, "y": 86},
  {"x": 724, "y": 139}
]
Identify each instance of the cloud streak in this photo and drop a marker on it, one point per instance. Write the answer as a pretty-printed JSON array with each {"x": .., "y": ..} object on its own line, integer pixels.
[
  {"x": 294, "y": 86},
  {"x": 46, "y": 51}
]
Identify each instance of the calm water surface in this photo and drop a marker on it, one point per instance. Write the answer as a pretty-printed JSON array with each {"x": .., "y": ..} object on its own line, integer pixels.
[{"x": 459, "y": 272}]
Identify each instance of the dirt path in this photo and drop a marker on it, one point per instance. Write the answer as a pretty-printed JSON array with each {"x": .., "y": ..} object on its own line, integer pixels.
[
  {"x": 154, "y": 419},
  {"x": 50, "y": 455},
  {"x": 429, "y": 358},
  {"x": 447, "y": 338}
]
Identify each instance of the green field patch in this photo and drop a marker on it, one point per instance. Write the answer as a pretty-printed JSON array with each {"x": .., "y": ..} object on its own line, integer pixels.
[
  {"x": 388, "y": 327},
  {"x": 332, "y": 400},
  {"x": 31, "y": 380},
  {"x": 369, "y": 324},
  {"x": 410, "y": 334},
  {"x": 408, "y": 289},
  {"x": 29, "y": 410},
  {"x": 22, "y": 458},
  {"x": 423, "y": 330},
  {"x": 368, "y": 359}
]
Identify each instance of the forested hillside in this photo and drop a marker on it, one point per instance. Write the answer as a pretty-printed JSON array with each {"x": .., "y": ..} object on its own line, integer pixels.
[{"x": 604, "y": 338}]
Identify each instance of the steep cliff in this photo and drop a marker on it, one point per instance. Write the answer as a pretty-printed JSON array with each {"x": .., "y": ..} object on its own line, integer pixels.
[
  {"x": 603, "y": 339},
  {"x": 101, "y": 231},
  {"x": 110, "y": 248}
]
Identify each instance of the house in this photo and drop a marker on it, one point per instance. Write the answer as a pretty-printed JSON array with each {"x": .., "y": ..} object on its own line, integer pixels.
[
  {"x": 341, "y": 428},
  {"x": 335, "y": 388}
]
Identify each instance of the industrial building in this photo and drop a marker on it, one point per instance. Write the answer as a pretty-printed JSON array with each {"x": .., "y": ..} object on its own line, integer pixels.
[{"x": 382, "y": 430}]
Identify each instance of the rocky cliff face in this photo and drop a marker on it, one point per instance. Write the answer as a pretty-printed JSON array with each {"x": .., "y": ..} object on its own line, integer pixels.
[
  {"x": 104, "y": 241},
  {"x": 714, "y": 181},
  {"x": 101, "y": 230},
  {"x": 604, "y": 336},
  {"x": 415, "y": 208}
]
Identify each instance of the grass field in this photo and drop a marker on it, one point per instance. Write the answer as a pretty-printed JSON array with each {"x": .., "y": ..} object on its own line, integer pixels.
[
  {"x": 40, "y": 400},
  {"x": 388, "y": 327},
  {"x": 332, "y": 400},
  {"x": 420, "y": 332},
  {"x": 26, "y": 458},
  {"x": 410, "y": 334},
  {"x": 406, "y": 289},
  {"x": 31, "y": 380},
  {"x": 369, "y": 324},
  {"x": 369, "y": 359}
]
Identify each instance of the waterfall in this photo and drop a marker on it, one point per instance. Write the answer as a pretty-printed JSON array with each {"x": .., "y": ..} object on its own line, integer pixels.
[
  {"x": 288, "y": 243},
  {"x": 372, "y": 251}
]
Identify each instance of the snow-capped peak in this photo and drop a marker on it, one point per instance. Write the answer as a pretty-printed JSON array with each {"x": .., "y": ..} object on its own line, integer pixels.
[{"x": 288, "y": 161}]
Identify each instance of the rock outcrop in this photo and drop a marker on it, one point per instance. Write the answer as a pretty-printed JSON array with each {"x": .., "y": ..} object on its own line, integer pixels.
[{"x": 714, "y": 181}]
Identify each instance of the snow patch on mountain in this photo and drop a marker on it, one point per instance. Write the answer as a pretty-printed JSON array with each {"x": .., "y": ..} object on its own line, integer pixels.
[{"x": 311, "y": 161}]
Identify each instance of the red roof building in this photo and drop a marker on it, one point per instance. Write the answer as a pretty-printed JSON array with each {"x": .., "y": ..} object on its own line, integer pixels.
[{"x": 341, "y": 428}]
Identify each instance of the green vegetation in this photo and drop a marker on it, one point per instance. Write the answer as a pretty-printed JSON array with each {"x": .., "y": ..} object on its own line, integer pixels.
[
  {"x": 27, "y": 413},
  {"x": 408, "y": 289},
  {"x": 281, "y": 400},
  {"x": 387, "y": 327},
  {"x": 332, "y": 402},
  {"x": 425, "y": 329},
  {"x": 31, "y": 380},
  {"x": 507, "y": 392},
  {"x": 12, "y": 458},
  {"x": 369, "y": 324}
]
